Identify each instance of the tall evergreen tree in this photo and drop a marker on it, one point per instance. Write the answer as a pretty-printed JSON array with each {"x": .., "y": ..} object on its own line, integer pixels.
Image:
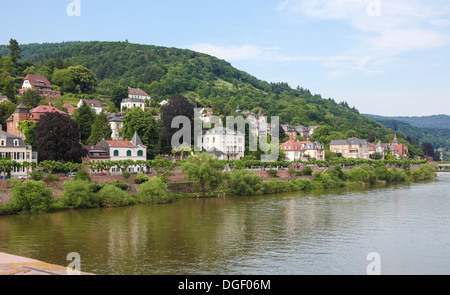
[
  {"x": 101, "y": 129},
  {"x": 177, "y": 106},
  {"x": 84, "y": 116},
  {"x": 146, "y": 127},
  {"x": 14, "y": 50}
]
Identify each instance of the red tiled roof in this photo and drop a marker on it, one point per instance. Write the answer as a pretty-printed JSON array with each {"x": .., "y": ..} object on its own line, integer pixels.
[
  {"x": 295, "y": 145},
  {"x": 70, "y": 108},
  {"x": 34, "y": 79},
  {"x": 120, "y": 143},
  {"x": 136, "y": 91},
  {"x": 46, "y": 109}
]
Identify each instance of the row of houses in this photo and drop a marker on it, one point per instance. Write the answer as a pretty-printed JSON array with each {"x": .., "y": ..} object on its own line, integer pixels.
[{"x": 359, "y": 148}]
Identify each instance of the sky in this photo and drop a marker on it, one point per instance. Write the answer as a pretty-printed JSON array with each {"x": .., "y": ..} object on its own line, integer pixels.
[{"x": 384, "y": 57}]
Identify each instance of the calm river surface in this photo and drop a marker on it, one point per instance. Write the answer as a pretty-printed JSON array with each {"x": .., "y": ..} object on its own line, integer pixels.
[{"x": 298, "y": 233}]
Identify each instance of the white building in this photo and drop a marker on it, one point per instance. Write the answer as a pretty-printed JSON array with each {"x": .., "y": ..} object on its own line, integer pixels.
[
  {"x": 224, "y": 143},
  {"x": 116, "y": 123},
  {"x": 131, "y": 103},
  {"x": 13, "y": 147},
  {"x": 125, "y": 150},
  {"x": 93, "y": 103}
]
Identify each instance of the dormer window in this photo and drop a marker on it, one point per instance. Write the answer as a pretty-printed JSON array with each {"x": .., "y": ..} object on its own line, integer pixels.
[
  {"x": 16, "y": 142},
  {"x": 2, "y": 142}
]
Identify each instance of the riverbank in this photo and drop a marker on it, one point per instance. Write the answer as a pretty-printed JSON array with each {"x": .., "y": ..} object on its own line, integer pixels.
[{"x": 116, "y": 191}]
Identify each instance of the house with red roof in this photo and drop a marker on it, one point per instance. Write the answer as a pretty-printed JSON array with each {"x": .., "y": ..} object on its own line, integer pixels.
[
  {"x": 124, "y": 150},
  {"x": 36, "y": 113},
  {"x": 395, "y": 148},
  {"x": 303, "y": 150},
  {"x": 40, "y": 83}
]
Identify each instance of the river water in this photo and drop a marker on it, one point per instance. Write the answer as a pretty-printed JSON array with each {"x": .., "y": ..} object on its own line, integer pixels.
[{"x": 328, "y": 232}]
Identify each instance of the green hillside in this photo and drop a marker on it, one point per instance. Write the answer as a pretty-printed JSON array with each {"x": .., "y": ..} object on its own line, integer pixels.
[
  {"x": 208, "y": 81},
  {"x": 438, "y": 137},
  {"x": 436, "y": 121}
]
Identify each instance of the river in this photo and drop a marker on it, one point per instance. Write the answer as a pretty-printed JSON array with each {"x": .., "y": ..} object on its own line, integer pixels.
[{"x": 315, "y": 232}]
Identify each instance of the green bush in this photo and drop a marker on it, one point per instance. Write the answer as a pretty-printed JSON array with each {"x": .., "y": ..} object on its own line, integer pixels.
[
  {"x": 82, "y": 175},
  {"x": 122, "y": 186},
  {"x": 303, "y": 184},
  {"x": 126, "y": 174},
  {"x": 245, "y": 183},
  {"x": 141, "y": 178},
  {"x": 112, "y": 196},
  {"x": 154, "y": 191},
  {"x": 50, "y": 177},
  {"x": 273, "y": 173},
  {"x": 79, "y": 194},
  {"x": 30, "y": 197},
  {"x": 358, "y": 174},
  {"x": 307, "y": 171},
  {"x": 37, "y": 175}
]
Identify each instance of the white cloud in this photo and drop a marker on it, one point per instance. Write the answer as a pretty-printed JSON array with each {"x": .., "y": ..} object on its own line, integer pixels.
[
  {"x": 249, "y": 52},
  {"x": 382, "y": 29}
]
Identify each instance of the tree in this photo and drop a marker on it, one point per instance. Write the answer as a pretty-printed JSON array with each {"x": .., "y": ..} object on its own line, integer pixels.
[
  {"x": 31, "y": 98},
  {"x": 29, "y": 132},
  {"x": 14, "y": 50},
  {"x": 117, "y": 94},
  {"x": 101, "y": 129},
  {"x": 31, "y": 197},
  {"x": 205, "y": 170},
  {"x": 177, "y": 106},
  {"x": 154, "y": 191},
  {"x": 58, "y": 139},
  {"x": 84, "y": 116},
  {"x": 83, "y": 78},
  {"x": 64, "y": 79},
  {"x": 146, "y": 127},
  {"x": 10, "y": 89},
  {"x": 428, "y": 150},
  {"x": 6, "y": 110}
]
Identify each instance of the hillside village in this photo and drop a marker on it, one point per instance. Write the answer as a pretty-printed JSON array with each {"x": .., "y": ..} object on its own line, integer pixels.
[
  {"x": 112, "y": 128},
  {"x": 223, "y": 143}
]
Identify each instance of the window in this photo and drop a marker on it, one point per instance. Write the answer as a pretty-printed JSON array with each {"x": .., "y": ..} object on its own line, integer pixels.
[
  {"x": 116, "y": 153},
  {"x": 128, "y": 153},
  {"x": 140, "y": 153}
]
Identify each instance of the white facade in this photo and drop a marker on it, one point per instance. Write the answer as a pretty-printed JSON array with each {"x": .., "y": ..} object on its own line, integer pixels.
[
  {"x": 131, "y": 103},
  {"x": 224, "y": 143}
]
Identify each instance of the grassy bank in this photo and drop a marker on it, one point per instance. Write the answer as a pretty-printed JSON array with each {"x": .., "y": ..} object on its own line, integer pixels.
[{"x": 34, "y": 197}]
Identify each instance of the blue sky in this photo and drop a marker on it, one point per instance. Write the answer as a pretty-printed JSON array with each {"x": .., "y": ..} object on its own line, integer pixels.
[{"x": 383, "y": 57}]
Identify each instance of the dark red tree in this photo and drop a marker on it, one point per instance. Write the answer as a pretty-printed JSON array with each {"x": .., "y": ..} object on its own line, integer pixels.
[{"x": 58, "y": 139}]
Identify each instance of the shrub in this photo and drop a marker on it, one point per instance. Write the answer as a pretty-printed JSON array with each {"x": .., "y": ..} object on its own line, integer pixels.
[
  {"x": 358, "y": 174},
  {"x": 112, "y": 196},
  {"x": 50, "y": 177},
  {"x": 245, "y": 183},
  {"x": 154, "y": 191},
  {"x": 307, "y": 171},
  {"x": 141, "y": 178},
  {"x": 37, "y": 175},
  {"x": 122, "y": 186},
  {"x": 273, "y": 173},
  {"x": 126, "y": 174},
  {"x": 82, "y": 175},
  {"x": 79, "y": 194},
  {"x": 303, "y": 184},
  {"x": 31, "y": 197}
]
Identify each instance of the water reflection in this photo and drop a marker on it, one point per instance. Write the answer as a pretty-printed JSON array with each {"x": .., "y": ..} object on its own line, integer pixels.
[{"x": 303, "y": 233}]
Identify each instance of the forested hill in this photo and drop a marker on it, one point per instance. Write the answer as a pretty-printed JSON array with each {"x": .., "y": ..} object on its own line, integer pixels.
[
  {"x": 438, "y": 137},
  {"x": 163, "y": 72},
  {"x": 436, "y": 121}
]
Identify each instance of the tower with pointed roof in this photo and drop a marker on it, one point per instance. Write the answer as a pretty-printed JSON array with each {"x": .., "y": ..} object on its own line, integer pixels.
[
  {"x": 21, "y": 113},
  {"x": 395, "y": 141}
]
